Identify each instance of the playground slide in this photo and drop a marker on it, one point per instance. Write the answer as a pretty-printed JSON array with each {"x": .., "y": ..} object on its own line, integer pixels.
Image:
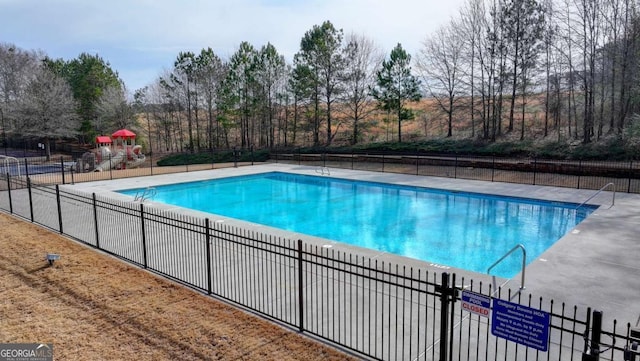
[
  {"x": 135, "y": 162},
  {"x": 110, "y": 163}
]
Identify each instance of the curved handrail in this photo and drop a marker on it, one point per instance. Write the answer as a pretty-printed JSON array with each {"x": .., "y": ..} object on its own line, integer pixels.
[
  {"x": 613, "y": 201},
  {"x": 7, "y": 163},
  {"x": 524, "y": 262},
  {"x": 323, "y": 170}
]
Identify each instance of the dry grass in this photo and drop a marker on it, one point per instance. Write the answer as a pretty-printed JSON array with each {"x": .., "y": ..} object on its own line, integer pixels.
[{"x": 92, "y": 306}]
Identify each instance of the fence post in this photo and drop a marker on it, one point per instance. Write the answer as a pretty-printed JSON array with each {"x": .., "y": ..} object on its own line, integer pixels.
[
  {"x": 596, "y": 332},
  {"x": 493, "y": 167},
  {"x": 444, "y": 316},
  {"x": 382, "y": 162},
  {"x": 144, "y": 238},
  {"x": 62, "y": 168},
  {"x": 59, "y": 207},
  {"x": 579, "y": 172},
  {"x": 9, "y": 190},
  {"x": 235, "y": 157},
  {"x": 535, "y": 169},
  {"x": 455, "y": 168},
  {"x": 585, "y": 335},
  {"x": 351, "y": 159},
  {"x": 30, "y": 197},
  {"x": 417, "y": 161},
  {"x": 110, "y": 168},
  {"x": 26, "y": 168},
  {"x": 208, "y": 237},
  {"x": 95, "y": 219},
  {"x": 251, "y": 154},
  {"x": 630, "y": 174},
  {"x": 300, "y": 288}
]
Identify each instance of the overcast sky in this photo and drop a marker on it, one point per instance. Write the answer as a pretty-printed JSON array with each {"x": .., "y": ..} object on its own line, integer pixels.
[{"x": 140, "y": 38}]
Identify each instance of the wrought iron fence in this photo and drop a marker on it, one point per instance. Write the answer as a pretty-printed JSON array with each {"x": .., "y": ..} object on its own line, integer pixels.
[
  {"x": 73, "y": 169},
  {"x": 625, "y": 175},
  {"x": 378, "y": 310},
  {"x": 536, "y": 171}
]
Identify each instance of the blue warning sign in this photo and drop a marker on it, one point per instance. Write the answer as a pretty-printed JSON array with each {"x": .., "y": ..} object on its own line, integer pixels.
[{"x": 521, "y": 324}]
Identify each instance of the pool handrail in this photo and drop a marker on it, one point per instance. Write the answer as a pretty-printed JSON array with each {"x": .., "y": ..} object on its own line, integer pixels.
[
  {"x": 524, "y": 263},
  {"x": 322, "y": 170},
  {"x": 613, "y": 200},
  {"x": 7, "y": 165}
]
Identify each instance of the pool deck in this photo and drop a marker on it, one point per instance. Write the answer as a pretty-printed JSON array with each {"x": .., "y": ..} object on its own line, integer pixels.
[{"x": 597, "y": 264}]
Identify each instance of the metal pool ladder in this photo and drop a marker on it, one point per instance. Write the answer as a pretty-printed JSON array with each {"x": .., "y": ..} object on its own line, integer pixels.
[
  {"x": 524, "y": 264},
  {"x": 147, "y": 193},
  {"x": 613, "y": 200},
  {"x": 323, "y": 170},
  {"x": 7, "y": 163}
]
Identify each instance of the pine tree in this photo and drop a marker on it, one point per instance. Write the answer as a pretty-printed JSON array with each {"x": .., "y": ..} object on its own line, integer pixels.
[{"x": 396, "y": 86}]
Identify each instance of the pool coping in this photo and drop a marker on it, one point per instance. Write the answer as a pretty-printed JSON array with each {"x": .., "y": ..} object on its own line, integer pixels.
[{"x": 594, "y": 265}]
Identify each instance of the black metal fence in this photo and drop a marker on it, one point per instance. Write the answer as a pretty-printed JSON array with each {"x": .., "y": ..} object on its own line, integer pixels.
[
  {"x": 378, "y": 310},
  {"x": 536, "y": 171},
  {"x": 625, "y": 175},
  {"x": 71, "y": 170}
]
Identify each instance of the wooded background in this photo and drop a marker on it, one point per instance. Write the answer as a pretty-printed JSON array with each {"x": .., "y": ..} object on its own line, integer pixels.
[{"x": 561, "y": 71}]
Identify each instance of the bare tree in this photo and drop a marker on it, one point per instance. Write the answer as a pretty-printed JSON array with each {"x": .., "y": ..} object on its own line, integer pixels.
[
  {"x": 440, "y": 62},
  {"x": 589, "y": 19},
  {"x": 364, "y": 60},
  {"x": 17, "y": 69},
  {"x": 628, "y": 53},
  {"x": 162, "y": 113},
  {"x": 47, "y": 109},
  {"x": 494, "y": 66},
  {"x": 114, "y": 110},
  {"x": 472, "y": 26}
]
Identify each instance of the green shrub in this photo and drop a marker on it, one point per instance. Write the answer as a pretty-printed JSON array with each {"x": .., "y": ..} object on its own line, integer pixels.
[{"x": 215, "y": 157}]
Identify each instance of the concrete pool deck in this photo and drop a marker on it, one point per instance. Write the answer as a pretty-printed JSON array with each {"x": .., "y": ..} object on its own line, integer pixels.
[{"x": 596, "y": 264}]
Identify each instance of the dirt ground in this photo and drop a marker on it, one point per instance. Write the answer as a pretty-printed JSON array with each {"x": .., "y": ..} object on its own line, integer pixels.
[{"x": 94, "y": 307}]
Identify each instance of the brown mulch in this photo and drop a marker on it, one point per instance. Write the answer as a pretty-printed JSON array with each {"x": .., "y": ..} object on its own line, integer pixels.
[{"x": 92, "y": 306}]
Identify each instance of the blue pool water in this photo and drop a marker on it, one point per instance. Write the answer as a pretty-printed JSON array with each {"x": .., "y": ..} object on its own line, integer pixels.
[{"x": 462, "y": 230}]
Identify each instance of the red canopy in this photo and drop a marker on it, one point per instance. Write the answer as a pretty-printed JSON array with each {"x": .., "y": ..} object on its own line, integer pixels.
[
  {"x": 102, "y": 139},
  {"x": 124, "y": 134}
]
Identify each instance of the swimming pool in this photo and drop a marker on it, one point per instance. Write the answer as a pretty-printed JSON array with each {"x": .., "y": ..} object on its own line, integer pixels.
[{"x": 457, "y": 229}]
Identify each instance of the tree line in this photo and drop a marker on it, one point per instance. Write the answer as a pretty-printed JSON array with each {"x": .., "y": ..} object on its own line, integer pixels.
[
  {"x": 563, "y": 70},
  {"x": 46, "y": 99},
  {"x": 256, "y": 98},
  {"x": 503, "y": 63}
]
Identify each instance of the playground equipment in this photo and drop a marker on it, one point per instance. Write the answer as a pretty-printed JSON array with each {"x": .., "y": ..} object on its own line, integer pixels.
[{"x": 117, "y": 152}]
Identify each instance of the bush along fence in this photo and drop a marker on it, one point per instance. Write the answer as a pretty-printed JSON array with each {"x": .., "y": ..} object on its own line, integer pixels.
[
  {"x": 559, "y": 173},
  {"x": 374, "y": 309}
]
